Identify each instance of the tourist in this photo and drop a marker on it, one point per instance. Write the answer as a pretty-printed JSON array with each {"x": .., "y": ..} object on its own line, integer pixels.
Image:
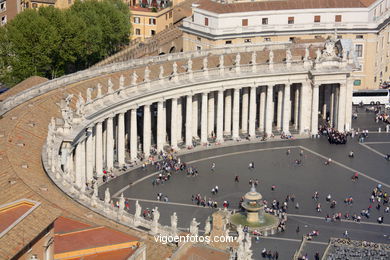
[
  {"x": 213, "y": 167},
  {"x": 351, "y": 155},
  {"x": 236, "y": 179}
]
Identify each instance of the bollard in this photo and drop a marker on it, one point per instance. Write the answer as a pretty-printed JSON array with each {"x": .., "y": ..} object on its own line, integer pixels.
[
  {"x": 379, "y": 130},
  {"x": 388, "y": 128}
]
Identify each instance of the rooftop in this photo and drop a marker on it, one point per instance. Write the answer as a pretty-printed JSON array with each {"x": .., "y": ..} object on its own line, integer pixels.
[{"x": 222, "y": 8}]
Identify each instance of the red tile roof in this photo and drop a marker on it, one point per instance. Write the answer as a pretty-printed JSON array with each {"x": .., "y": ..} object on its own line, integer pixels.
[
  {"x": 280, "y": 5},
  {"x": 89, "y": 238},
  {"x": 121, "y": 254},
  {"x": 64, "y": 225},
  {"x": 9, "y": 216}
]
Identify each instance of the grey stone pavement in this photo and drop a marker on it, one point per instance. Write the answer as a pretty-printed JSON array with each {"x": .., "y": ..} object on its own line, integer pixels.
[{"x": 274, "y": 167}]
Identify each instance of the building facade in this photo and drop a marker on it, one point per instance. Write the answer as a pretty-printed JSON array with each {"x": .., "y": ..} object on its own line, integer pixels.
[
  {"x": 150, "y": 18},
  {"x": 362, "y": 26}
]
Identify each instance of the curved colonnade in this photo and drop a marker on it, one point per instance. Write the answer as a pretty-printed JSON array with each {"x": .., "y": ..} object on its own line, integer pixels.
[{"x": 178, "y": 103}]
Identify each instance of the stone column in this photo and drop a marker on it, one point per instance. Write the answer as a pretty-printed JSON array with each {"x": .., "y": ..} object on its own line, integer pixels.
[
  {"x": 195, "y": 105},
  {"x": 160, "y": 126},
  {"x": 262, "y": 109},
  {"x": 323, "y": 99},
  {"x": 121, "y": 139},
  {"x": 244, "y": 112},
  {"x": 179, "y": 117},
  {"x": 279, "y": 112},
  {"x": 164, "y": 123},
  {"x": 89, "y": 155},
  {"x": 305, "y": 104},
  {"x": 296, "y": 109},
  {"x": 236, "y": 113},
  {"x": 174, "y": 123},
  {"x": 210, "y": 125},
  {"x": 228, "y": 111},
  {"x": 336, "y": 106},
  {"x": 80, "y": 165},
  {"x": 147, "y": 130},
  {"x": 220, "y": 117},
  {"x": 348, "y": 105},
  {"x": 252, "y": 112},
  {"x": 133, "y": 135},
  {"x": 189, "y": 121},
  {"x": 99, "y": 149},
  {"x": 331, "y": 107},
  {"x": 341, "y": 108},
  {"x": 314, "y": 109},
  {"x": 203, "y": 123},
  {"x": 110, "y": 144},
  {"x": 269, "y": 110},
  {"x": 286, "y": 109}
]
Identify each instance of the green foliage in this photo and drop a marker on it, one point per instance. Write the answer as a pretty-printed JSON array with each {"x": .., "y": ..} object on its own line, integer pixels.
[{"x": 50, "y": 42}]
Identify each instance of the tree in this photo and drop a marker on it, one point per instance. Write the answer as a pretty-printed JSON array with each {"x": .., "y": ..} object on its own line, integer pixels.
[{"x": 50, "y": 42}]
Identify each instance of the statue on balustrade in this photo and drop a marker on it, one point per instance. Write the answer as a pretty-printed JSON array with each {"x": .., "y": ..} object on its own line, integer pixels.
[
  {"x": 110, "y": 86},
  {"x": 121, "y": 82},
  {"x": 80, "y": 106}
]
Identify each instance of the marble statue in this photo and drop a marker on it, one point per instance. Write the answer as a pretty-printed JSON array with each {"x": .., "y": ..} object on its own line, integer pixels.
[
  {"x": 121, "y": 203},
  {"x": 307, "y": 54},
  {"x": 271, "y": 57},
  {"x": 174, "y": 68},
  {"x": 121, "y": 81},
  {"x": 89, "y": 95},
  {"x": 288, "y": 55},
  {"x": 107, "y": 196},
  {"x": 99, "y": 90},
  {"x": 147, "y": 74},
  {"x": 207, "y": 227},
  {"x": 205, "y": 63},
  {"x": 174, "y": 221},
  {"x": 194, "y": 230},
  {"x": 238, "y": 59},
  {"x": 110, "y": 86},
  {"x": 254, "y": 56},
  {"x": 134, "y": 78},
  {"x": 189, "y": 65},
  {"x": 66, "y": 111},
  {"x": 161, "y": 74},
  {"x": 318, "y": 55},
  {"x": 221, "y": 61},
  {"x": 95, "y": 190},
  {"x": 240, "y": 232},
  {"x": 138, "y": 209},
  {"x": 80, "y": 106},
  {"x": 156, "y": 215},
  {"x": 329, "y": 51}
]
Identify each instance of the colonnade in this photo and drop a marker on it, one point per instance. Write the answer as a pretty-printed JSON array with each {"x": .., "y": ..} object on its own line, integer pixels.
[{"x": 214, "y": 116}]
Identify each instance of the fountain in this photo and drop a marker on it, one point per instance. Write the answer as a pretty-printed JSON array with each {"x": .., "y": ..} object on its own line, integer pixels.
[{"x": 254, "y": 217}]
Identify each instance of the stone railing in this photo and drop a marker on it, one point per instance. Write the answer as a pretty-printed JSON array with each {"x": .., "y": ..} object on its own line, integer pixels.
[{"x": 63, "y": 81}]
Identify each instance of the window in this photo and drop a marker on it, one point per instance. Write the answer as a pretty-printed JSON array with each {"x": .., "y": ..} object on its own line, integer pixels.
[
  {"x": 198, "y": 38},
  {"x": 267, "y": 39},
  {"x": 198, "y": 48},
  {"x": 291, "y": 20},
  {"x": 152, "y": 32},
  {"x": 337, "y": 18},
  {"x": 359, "y": 50},
  {"x": 244, "y": 22},
  {"x": 152, "y": 21},
  {"x": 357, "y": 82},
  {"x": 247, "y": 40},
  {"x": 137, "y": 32},
  {"x": 3, "y": 6},
  {"x": 137, "y": 20},
  {"x": 292, "y": 39},
  {"x": 264, "y": 21},
  {"x": 3, "y": 20},
  {"x": 34, "y": 5},
  {"x": 206, "y": 21},
  {"x": 317, "y": 18},
  {"x": 359, "y": 37},
  {"x": 228, "y": 42}
]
